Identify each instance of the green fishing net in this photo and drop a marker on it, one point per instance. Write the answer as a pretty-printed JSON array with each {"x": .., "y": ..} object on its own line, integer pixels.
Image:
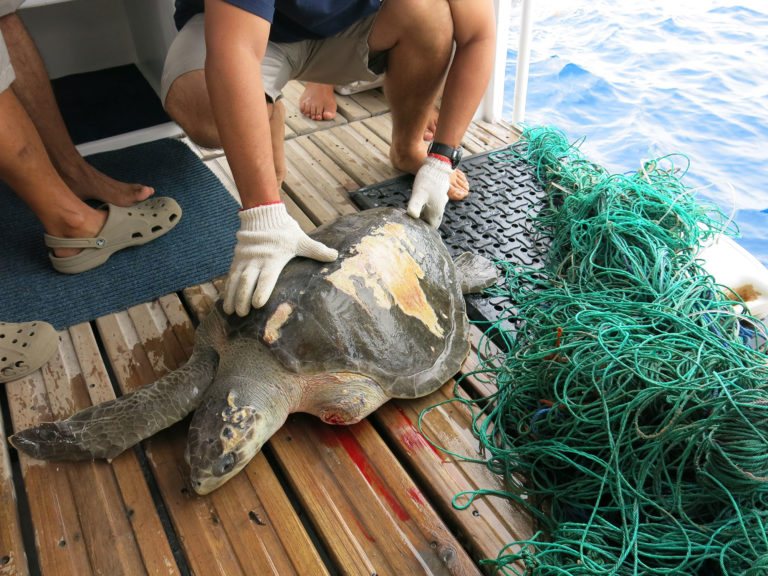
[{"x": 631, "y": 415}]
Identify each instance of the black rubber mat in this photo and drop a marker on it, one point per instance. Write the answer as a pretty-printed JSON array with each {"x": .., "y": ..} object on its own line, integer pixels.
[{"x": 494, "y": 220}]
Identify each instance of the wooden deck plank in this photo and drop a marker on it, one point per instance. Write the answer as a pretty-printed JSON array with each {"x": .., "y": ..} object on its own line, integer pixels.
[
  {"x": 350, "y": 108},
  {"x": 201, "y": 299},
  {"x": 472, "y": 144},
  {"x": 220, "y": 167},
  {"x": 490, "y": 522},
  {"x": 302, "y": 186},
  {"x": 348, "y": 149},
  {"x": 91, "y": 526},
  {"x": 364, "y": 144},
  {"x": 135, "y": 495},
  {"x": 489, "y": 140},
  {"x": 218, "y": 533},
  {"x": 53, "y": 512},
  {"x": 313, "y": 182},
  {"x": 381, "y": 145},
  {"x": 381, "y": 125},
  {"x": 372, "y": 515},
  {"x": 501, "y": 129},
  {"x": 480, "y": 136},
  {"x": 333, "y": 177},
  {"x": 373, "y": 101},
  {"x": 13, "y": 558}
]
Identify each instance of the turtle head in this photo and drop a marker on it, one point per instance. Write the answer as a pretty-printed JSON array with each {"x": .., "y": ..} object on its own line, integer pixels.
[{"x": 224, "y": 435}]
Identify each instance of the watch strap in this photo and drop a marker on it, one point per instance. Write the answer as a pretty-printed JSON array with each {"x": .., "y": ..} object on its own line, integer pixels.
[{"x": 453, "y": 154}]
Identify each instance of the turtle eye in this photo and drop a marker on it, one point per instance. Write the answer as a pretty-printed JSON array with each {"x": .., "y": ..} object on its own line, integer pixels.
[{"x": 225, "y": 464}]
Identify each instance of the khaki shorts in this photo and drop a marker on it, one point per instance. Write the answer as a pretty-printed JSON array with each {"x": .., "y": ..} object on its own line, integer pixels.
[
  {"x": 340, "y": 59},
  {"x": 7, "y": 75}
]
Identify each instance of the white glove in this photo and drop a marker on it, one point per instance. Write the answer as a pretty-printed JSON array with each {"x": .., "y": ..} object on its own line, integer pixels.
[
  {"x": 430, "y": 191},
  {"x": 268, "y": 239}
]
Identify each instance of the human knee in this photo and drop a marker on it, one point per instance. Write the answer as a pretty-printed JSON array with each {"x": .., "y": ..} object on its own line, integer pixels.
[
  {"x": 188, "y": 105},
  {"x": 427, "y": 22},
  {"x": 11, "y": 26}
]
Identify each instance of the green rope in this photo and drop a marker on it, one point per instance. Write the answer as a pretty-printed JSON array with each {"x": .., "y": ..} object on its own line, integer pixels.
[{"x": 628, "y": 402}]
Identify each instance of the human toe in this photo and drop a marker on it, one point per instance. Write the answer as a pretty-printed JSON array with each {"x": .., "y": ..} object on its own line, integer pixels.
[{"x": 459, "y": 188}]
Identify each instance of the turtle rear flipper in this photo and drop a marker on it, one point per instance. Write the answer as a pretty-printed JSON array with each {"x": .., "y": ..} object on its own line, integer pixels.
[
  {"x": 475, "y": 272},
  {"x": 106, "y": 430}
]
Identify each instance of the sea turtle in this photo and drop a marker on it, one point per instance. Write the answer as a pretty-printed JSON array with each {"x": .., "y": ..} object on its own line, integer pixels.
[{"x": 386, "y": 319}]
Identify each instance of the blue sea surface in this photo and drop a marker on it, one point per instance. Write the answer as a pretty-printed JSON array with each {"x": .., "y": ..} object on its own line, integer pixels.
[{"x": 640, "y": 80}]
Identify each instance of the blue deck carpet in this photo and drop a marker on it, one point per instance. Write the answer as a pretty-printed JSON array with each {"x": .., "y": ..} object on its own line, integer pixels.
[{"x": 198, "y": 249}]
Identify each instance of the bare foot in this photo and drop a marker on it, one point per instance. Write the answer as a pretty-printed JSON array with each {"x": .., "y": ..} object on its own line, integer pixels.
[
  {"x": 91, "y": 184},
  {"x": 459, "y": 186},
  {"x": 318, "y": 102}
]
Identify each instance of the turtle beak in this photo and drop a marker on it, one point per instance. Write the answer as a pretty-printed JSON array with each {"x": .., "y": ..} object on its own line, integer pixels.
[
  {"x": 216, "y": 473},
  {"x": 210, "y": 465}
]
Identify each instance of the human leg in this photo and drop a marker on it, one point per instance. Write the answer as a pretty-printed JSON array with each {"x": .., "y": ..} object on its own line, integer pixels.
[
  {"x": 183, "y": 89},
  {"x": 187, "y": 103},
  {"x": 277, "y": 131},
  {"x": 26, "y": 168},
  {"x": 185, "y": 93},
  {"x": 418, "y": 38},
  {"x": 33, "y": 91},
  {"x": 411, "y": 30}
]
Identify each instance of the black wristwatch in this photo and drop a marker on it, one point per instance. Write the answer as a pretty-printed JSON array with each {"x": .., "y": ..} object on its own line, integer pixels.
[{"x": 453, "y": 154}]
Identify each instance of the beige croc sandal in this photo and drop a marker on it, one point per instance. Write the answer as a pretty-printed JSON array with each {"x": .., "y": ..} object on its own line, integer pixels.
[
  {"x": 25, "y": 347},
  {"x": 132, "y": 226}
]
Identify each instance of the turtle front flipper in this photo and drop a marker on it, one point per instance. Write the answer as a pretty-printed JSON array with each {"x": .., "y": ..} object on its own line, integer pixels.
[
  {"x": 475, "y": 272},
  {"x": 105, "y": 430}
]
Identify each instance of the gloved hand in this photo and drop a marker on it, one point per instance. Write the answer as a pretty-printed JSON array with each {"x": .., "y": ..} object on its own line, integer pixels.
[
  {"x": 430, "y": 191},
  {"x": 267, "y": 240}
]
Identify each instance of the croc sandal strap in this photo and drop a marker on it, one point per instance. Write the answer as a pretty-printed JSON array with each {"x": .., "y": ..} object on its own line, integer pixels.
[{"x": 56, "y": 242}]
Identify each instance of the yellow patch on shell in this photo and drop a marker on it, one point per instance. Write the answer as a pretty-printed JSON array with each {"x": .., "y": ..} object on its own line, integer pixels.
[
  {"x": 276, "y": 321},
  {"x": 234, "y": 416},
  {"x": 390, "y": 272}
]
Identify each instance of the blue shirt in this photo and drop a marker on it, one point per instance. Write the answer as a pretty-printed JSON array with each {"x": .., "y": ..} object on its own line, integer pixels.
[{"x": 293, "y": 20}]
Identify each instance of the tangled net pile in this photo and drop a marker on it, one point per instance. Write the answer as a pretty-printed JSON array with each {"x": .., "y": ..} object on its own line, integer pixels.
[{"x": 631, "y": 399}]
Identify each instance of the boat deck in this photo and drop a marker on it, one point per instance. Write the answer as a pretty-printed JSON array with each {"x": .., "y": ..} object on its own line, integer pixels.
[{"x": 370, "y": 499}]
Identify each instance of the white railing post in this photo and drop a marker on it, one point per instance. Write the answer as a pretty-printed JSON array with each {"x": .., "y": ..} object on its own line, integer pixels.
[
  {"x": 491, "y": 107},
  {"x": 523, "y": 62}
]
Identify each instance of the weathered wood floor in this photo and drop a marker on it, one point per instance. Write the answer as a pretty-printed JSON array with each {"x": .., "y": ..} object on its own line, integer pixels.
[{"x": 374, "y": 498}]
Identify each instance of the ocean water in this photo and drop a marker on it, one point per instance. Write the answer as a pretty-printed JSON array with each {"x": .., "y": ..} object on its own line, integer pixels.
[{"x": 640, "y": 80}]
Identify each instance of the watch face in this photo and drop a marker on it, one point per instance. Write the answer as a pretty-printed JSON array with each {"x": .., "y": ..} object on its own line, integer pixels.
[{"x": 457, "y": 158}]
